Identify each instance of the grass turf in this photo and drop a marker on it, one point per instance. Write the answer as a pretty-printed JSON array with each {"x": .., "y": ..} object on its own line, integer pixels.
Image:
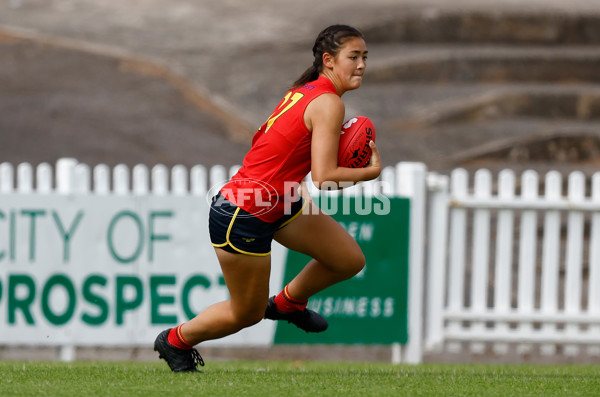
[{"x": 295, "y": 379}]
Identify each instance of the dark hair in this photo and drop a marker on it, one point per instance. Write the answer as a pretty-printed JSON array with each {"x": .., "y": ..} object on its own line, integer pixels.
[{"x": 329, "y": 40}]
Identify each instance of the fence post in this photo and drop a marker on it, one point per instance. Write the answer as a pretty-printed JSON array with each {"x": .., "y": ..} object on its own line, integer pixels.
[
  {"x": 217, "y": 176},
  {"x": 594, "y": 266},
  {"x": 550, "y": 256},
  {"x": 504, "y": 254},
  {"x": 411, "y": 183},
  {"x": 6, "y": 178},
  {"x": 65, "y": 175},
  {"x": 65, "y": 179},
  {"x": 198, "y": 181},
  {"x": 480, "y": 253},
  {"x": 82, "y": 179},
  {"x": 437, "y": 186},
  {"x": 459, "y": 181},
  {"x": 44, "y": 178},
  {"x": 159, "y": 175},
  {"x": 527, "y": 254},
  {"x": 140, "y": 180},
  {"x": 24, "y": 178},
  {"x": 120, "y": 180},
  {"x": 179, "y": 180},
  {"x": 574, "y": 256}
]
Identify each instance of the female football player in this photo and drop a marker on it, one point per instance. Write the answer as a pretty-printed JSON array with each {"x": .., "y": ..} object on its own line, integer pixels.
[{"x": 264, "y": 201}]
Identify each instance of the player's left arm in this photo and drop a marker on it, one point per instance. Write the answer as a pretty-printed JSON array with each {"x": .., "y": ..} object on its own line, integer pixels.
[{"x": 324, "y": 116}]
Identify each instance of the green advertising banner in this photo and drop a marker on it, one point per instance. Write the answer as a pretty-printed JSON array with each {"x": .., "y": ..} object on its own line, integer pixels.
[{"x": 372, "y": 307}]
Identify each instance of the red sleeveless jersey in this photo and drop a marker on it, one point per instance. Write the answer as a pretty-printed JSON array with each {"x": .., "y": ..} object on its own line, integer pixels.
[{"x": 279, "y": 157}]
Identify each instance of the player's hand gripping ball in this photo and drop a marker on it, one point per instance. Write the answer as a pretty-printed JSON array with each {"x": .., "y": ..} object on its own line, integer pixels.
[{"x": 354, "y": 150}]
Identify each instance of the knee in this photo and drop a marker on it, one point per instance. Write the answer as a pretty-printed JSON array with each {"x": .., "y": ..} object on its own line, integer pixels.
[
  {"x": 249, "y": 317},
  {"x": 359, "y": 263},
  {"x": 355, "y": 262}
]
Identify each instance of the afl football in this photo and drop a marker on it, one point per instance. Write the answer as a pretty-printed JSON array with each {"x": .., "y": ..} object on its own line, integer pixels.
[{"x": 354, "y": 150}]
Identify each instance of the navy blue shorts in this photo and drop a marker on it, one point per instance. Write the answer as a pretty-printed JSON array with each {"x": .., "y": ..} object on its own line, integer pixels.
[{"x": 237, "y": 231}]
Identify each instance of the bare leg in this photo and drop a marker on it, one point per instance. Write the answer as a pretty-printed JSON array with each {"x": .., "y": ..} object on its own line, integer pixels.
[
  {"x": 247, "y": 278},
  {"x": 337, "y": 256}
]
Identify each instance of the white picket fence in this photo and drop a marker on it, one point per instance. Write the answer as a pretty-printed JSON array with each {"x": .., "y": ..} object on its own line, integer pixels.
[
  {"x": 70, "y": 176},
  {"x": 189, "y": 187},
  {"x": 73, "y": 177},
  {"x": 513, "y": 261}
]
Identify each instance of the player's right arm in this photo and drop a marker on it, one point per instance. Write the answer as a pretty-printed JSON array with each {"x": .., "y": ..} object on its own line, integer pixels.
[{"x": 324, "y": 116}]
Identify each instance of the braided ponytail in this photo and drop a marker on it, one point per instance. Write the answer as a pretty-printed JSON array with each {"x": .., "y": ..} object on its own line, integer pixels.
[{"x": 328, "y": 41}]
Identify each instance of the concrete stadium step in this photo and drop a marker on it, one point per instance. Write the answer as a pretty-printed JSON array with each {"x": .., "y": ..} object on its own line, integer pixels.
[
  {"x": 511, "y": 141},
  {"x": 483, "y": 64},
  {"x": 486, "y": 102},
  {"x": 399, "y": 106},
  {"x": 486, "y": 25},
  {"x": 493, "y": 138},
  {"x": 424, "y": 105}
]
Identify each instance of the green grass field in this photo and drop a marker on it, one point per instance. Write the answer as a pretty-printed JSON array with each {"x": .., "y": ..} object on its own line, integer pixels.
[{"x": 295, "y": 379}]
